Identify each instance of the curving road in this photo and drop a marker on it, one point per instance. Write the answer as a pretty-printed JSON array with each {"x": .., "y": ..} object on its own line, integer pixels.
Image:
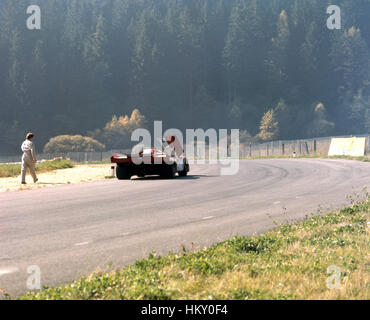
[{"x": 72, "y": 230}]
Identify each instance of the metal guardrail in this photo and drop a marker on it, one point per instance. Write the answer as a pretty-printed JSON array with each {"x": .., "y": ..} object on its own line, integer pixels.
[{"x": 301, "y": 147}]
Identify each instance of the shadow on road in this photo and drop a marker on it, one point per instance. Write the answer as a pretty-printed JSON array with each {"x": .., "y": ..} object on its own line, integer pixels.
[
  {"x": 52, "y": 183},
  {"x": 189, "y": 177}
]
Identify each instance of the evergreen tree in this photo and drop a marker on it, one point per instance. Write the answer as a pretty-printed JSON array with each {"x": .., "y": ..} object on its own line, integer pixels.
[{"x": 195, "y": 63}]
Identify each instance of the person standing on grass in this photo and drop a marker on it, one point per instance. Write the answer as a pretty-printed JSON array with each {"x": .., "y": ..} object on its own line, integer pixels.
[{"x": 28, "y": 158}]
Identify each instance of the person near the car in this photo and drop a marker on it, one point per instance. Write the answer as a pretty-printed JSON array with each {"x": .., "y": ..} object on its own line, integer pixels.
[{"x": 28, "y": 158}]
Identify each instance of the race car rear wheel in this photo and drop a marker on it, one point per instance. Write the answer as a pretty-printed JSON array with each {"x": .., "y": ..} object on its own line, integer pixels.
[
  {"x": 168, "y": 171},
  {"x": 185, "y": 171},
  {"x": 123, "y": 173}
]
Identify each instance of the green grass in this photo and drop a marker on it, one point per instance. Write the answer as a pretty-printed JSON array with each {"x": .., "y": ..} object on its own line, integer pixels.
[
  {"x": 289, "y": 262},
  {"x": 363, "y": 159},
  {"x": 13, "y": 170}
]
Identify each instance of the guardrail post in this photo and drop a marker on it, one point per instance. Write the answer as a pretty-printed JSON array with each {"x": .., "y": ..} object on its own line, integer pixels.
[{"x": 306, "y": 145}]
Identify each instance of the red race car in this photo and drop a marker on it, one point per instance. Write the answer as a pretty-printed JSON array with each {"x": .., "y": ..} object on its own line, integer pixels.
[{"x": 151, "y": 161}]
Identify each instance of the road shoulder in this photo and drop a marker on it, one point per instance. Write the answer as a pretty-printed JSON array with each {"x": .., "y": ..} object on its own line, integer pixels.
[{"x": 78, "y": 174}]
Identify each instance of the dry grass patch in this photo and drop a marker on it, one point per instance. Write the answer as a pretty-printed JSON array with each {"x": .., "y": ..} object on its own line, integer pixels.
[{"x": 72, "y": 175}]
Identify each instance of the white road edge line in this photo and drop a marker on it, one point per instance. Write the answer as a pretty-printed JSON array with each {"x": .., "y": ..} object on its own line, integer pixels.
[
  {"x": 81, "y": 244},
  {"x": 277, "y": 202},
  {"x": 207, "y": 218},
  {"x": 7, "y": 271}
]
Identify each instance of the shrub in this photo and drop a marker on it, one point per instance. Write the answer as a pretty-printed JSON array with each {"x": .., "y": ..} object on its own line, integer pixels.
[
  {"x": 66, "y": 143},
  {"x": 117, "y": 133},
  {"x": 320, "y": 126}
]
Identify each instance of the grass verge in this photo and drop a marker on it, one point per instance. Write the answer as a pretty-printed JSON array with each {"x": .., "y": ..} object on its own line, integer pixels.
[
  {"x": 13, "y": 170},
  {"x": 290, "y": 262}
]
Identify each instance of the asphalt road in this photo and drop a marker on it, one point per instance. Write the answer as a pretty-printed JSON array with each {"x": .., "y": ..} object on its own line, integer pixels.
[{"x": 73, "y": 230}]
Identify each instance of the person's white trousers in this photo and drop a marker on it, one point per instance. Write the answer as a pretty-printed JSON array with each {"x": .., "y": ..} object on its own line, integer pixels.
[{"x": 28, "y": 163}]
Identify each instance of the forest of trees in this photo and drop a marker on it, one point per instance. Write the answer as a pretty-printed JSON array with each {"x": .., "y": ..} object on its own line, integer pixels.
[{"x": 190, "y": 63}]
